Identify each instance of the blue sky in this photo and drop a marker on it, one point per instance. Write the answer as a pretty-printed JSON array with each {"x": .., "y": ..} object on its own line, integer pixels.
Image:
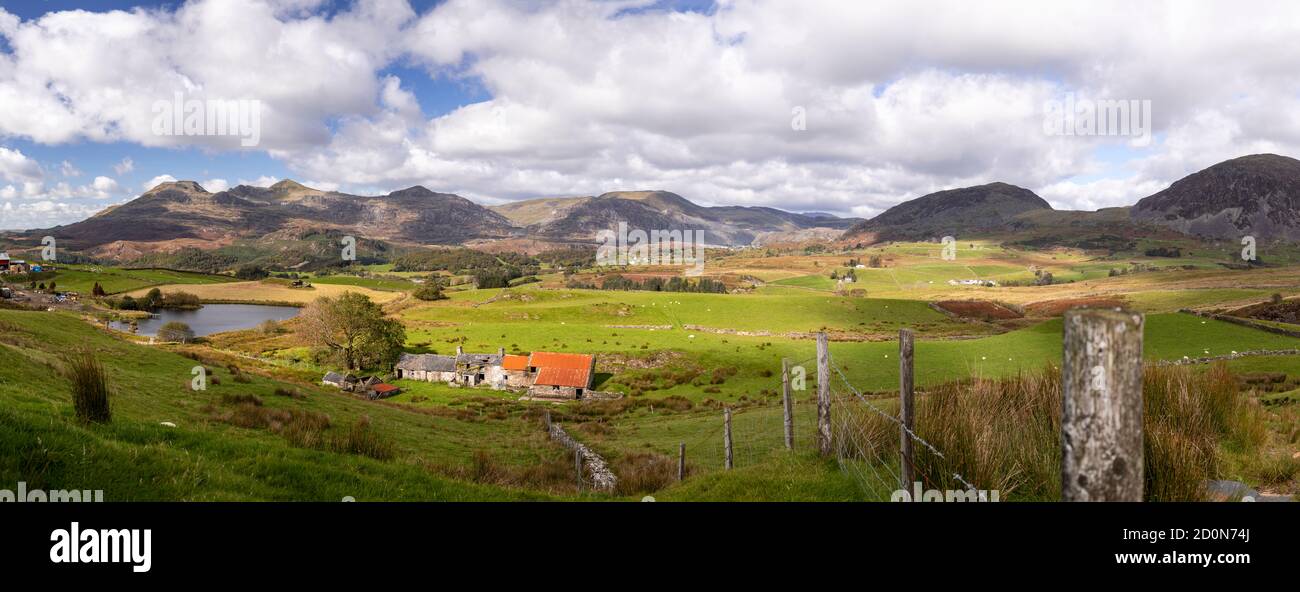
[{"x": 500, "y": 100}]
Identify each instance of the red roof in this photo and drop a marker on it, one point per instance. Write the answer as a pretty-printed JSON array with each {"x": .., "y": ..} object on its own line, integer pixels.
[
  {"x": 571, "y": 377},
  {"x": 566, "y": 361},
  {"x": 384, "y": 388},
  {"x": 511, "y": 362}
]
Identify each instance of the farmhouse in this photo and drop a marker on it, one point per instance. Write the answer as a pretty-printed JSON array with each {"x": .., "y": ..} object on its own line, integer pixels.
[
  {"x": 984, "y": 283},
  {"x": 427, "y": 367},
  {"x": 562, "y": 376},
  {"x": 4, "y": 261},
  {"x": 480, "y": 369},
  {"x": 544, "y": 374}
]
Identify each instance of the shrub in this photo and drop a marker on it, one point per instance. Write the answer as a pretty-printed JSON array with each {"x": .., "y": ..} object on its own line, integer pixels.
[
  {"x": 89, "y": 387},
  {"x": 241, "y": 399},
  {"x": 291, "y": 393},
  {"x": 429, "y": 292},
  {"x": 176, "y": 331}
]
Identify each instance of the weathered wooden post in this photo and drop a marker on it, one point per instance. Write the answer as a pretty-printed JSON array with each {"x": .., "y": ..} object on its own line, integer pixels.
[
  {"x": 1101, "y": 416},
  {"x": 789, "y": 404},
  {"x": 823, "y": 395},
  {"x": 906, "y": 411},
  {"x": 681, "y": 461},
  {"x": 726, "y": 429},
  {"x": 577, "y": 466},
  {"x": 548, "y": 421}
]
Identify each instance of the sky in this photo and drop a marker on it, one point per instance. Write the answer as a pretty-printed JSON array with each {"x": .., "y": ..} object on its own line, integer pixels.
[{"x": 841, "y": 107}]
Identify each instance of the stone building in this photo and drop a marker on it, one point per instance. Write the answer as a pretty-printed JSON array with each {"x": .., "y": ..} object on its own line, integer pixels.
[
  {"x": 561, "y": 375},
  {"x": 427, "y": 367}
]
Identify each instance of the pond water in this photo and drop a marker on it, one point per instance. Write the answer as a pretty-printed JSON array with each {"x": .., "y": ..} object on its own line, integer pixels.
[{"x": 213, "y": 318}]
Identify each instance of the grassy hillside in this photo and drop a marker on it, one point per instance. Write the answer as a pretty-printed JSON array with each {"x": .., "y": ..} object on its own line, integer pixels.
[{"x": 207, "y": 458}]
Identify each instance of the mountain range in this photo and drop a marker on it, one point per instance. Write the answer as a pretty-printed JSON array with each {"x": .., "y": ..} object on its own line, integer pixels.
[
  {"x": 1256, "y": 194},
  {"x": 183, "y": 213}
]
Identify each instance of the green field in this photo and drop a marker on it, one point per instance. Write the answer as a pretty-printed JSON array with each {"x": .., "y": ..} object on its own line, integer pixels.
[
  {"x": 114, "y": 280},
  {"x": 577, "y": 320}
]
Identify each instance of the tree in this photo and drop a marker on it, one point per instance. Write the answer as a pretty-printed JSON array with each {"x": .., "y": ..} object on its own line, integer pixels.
[
  {"x": 354, "y": 327},
  {"x": 151, "y": 300},
  {"x": 431, "y": 291},
  {"x": 175, "y": 331},
  {"x": 53, "y": 287},
  {"x": 251, "y": 272},
  {"x": 97, "y": 291}
]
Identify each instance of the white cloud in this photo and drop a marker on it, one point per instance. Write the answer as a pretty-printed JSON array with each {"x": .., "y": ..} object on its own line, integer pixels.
[
  {"x": 262, "y": 181},
  {"x": 902, "y": 98},
  {"x": 15, "y": 166},
  {"x": 43, "y": 214},
  {"x": 96, "y": 76},
  {"x": 215, "y": 185},
  {"x": 127, "y": 165},
  {"x": 67, "y": 169},
  {"x": 154, "y": 182},
  {"x": 104, "y": 186}
]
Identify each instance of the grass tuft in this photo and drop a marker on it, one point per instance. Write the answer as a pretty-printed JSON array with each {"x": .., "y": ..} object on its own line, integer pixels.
[{"x": 89, "y": 387}]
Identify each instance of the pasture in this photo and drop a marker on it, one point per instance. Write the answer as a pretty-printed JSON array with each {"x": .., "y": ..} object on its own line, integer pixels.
[{"x": 270, "y": 291}]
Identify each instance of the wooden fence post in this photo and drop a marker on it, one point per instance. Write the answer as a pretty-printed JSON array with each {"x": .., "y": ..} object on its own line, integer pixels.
[
  {"x": 789, "y": 404},
  {"x": 823, "y": 395},
  {"x": 906, "y": 410},
  {"x": 681, "y": 461},
  {"x": 726, "y": 423},
  {"x": 1101, "y": 416},
  {"x": 577, "y": 465},
  {"x": 548, "y": 421}
]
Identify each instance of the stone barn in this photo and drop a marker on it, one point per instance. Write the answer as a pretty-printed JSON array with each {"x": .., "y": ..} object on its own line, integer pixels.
[
  {"x": 427, "y": 367},
  {"x": 516, "y": 371},
  {"x": 561, "y": 376}
]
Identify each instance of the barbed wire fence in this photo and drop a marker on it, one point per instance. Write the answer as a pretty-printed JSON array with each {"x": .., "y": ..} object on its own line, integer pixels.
[
  {"x": 879, "y": 445},
  {"x": 869, "y": 442}
]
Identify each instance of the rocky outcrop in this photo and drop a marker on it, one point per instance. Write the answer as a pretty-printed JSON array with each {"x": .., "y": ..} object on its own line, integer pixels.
[{"x": 1256, "y": 195}]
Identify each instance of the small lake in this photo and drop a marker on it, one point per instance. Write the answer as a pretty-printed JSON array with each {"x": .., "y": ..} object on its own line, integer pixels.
[{"x": 213, "y": 318}]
